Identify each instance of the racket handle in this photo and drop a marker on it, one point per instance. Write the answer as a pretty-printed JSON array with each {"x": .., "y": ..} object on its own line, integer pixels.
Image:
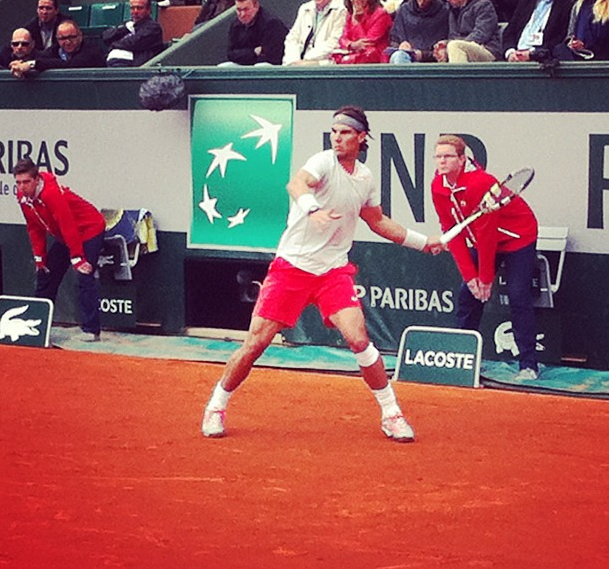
[
  {"x": 456, "y": 229},
  {"x": 452, "y": 233}
]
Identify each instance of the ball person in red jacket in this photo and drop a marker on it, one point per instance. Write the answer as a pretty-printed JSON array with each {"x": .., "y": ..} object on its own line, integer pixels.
[
  {"x": 77, "y": 228},
  {"x": 508, "y": 234}
]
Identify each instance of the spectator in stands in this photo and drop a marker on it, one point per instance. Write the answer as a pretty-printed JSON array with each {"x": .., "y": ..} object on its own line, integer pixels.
[
  {"x": 211, "y": 9},
  {"x": 71, "y": 52},
  {"x": 137, "y": 40},
  {"x": 536, "y": 27},
  {"x": 44, "y": 26},
  {"x": 473, "y": 33},
  {"x": 256, "y": 36},
  {"x": 366, "y": 33},
  {"x": 418, "y": 26},
  {"x": 314, "y": 36},
  {"x": 588, "y": 32},
  {"x": 22, "y": 48}
]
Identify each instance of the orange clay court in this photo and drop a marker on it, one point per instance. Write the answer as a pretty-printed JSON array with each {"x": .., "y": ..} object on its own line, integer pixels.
[{"x": 102, "y": 465}]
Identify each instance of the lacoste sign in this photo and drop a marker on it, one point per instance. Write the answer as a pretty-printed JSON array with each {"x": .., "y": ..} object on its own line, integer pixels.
[{"x": 444, "y": 356}]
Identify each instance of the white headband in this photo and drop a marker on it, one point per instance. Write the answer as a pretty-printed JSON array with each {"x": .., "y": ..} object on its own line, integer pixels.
[{"x": 349, "y": 121}]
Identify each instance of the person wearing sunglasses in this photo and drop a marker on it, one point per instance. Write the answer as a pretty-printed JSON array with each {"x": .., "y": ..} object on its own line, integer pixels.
[
  {"x": 21, "y": 48},
  {"x": 72, "y": 51},
  {"x": 44, "y": 26}
]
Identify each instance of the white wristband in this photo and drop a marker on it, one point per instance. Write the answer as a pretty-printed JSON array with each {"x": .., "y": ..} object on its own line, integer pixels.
[
  {"x": 414, "y": 240},
  {"x": 308, "y": 203}
]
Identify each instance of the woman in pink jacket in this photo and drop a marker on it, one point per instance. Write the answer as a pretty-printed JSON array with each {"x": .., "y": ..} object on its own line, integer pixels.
[{"x": 366, "y": 33}]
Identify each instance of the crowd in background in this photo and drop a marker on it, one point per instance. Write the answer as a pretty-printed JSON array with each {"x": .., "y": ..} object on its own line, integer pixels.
[{"x": 329, "y": 32}]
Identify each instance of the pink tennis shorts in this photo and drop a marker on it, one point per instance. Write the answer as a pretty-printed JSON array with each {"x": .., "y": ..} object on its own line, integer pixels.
[{"x": 286, "y": 291}]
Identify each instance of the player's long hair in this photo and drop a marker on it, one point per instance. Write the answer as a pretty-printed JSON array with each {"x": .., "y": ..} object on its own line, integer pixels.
[
  {"x": 359, "y": 115},
  {"x": 600, "y": 9}
]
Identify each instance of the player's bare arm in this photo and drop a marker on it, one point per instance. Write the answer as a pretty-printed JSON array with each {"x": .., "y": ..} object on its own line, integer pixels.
[
  {"x": 382, "y": 225},
  {"x": 389, "y": 229},
  {"x": 302, "y": 190},
  {"x": 302, "y": 183}
]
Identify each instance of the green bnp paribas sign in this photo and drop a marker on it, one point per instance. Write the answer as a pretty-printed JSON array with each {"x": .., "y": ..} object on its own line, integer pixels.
[{"x": 241, "y": 150}]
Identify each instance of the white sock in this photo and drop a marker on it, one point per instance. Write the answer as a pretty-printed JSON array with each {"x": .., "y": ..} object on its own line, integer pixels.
[
  {"x": 219, "y": 398},
  {"x": 387, "y": 401}
]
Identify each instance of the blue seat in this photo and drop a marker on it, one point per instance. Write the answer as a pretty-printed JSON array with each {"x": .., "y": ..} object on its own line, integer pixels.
[
  {"x": 79, "y": 13},
  {"x": 107, "y": 14}
]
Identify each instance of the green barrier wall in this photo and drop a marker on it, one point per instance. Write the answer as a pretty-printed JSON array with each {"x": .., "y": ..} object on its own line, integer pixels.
[{"x": 582, "y": 302}]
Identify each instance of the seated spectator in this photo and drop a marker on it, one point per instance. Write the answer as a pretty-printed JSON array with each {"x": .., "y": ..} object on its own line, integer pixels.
[
  {"x": 418, "y": 26},
  {"x": 211, "y": 9},
  {"x": 22, "y": 48},
  {"x": 44, "y": 26},
  {"x": 473, "y": 33},
  {"x": 366, "y": 33},
  {"x": 314, "y": 36},
  {"x": 588, "y": 32},
  {"x": 136, "y": 41},
  {"x": 535, "y": 29},
  {"x": 256, "y": 36},
  {"x": 72, "y": 52}
]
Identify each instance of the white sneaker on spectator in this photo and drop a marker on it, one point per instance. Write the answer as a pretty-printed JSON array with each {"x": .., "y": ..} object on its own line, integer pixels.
[
  {"x": 87, "y": 337},
  {"x": 213, "y": 423},
  {"x": 398, "y": 429},
  {"x": 526, "y": 373}
]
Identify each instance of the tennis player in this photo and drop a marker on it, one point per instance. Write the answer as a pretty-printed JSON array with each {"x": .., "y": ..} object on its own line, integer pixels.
[
  {"x": 508, "y": 234},
  {"x": 331, "y": 191},
  {"x": 77, "y": 228}
]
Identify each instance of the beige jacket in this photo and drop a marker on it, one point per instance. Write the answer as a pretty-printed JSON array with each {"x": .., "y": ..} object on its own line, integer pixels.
[{"x": 326, "y": 36}]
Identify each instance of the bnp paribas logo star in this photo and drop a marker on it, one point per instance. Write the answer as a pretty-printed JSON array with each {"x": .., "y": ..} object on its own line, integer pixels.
[{"x": 241, "y": 154}]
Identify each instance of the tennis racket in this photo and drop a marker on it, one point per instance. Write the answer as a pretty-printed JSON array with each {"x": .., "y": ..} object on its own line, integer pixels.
[{"x": 499, "y": 195}]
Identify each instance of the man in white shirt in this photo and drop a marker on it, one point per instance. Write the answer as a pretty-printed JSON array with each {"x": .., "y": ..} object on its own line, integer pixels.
[
  {"x": 535, "y": 28},
  {"x": 315, "y": 33},
  {"x": 330, "y": 193}
]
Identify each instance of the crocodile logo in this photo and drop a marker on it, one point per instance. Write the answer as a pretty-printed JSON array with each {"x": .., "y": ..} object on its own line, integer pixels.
[
  {"x": 505, "y": 342},
  {"x": 14, "y": 328}
]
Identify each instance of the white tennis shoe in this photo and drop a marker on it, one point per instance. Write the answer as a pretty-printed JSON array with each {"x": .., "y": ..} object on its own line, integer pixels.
[
  {"x": 526, "y": 373},
  {"x": 398, "y": 429},
  {"x": 213, "y": 423},
  {"x": 87, "y": 337}
]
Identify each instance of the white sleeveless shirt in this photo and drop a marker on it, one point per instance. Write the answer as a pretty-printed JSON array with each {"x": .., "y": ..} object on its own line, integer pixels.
[{"x": 317, "y": 250}]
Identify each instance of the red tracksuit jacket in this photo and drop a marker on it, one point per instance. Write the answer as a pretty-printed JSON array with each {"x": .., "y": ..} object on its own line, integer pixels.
[
  {"x": 510, "y": 228},
  {"x": 60, "y": 212}
]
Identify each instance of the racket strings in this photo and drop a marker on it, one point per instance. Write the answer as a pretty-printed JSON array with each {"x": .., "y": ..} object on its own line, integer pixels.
[
  {"x": 502, "y": 193},
  {"x": 497, "y": 196}
]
